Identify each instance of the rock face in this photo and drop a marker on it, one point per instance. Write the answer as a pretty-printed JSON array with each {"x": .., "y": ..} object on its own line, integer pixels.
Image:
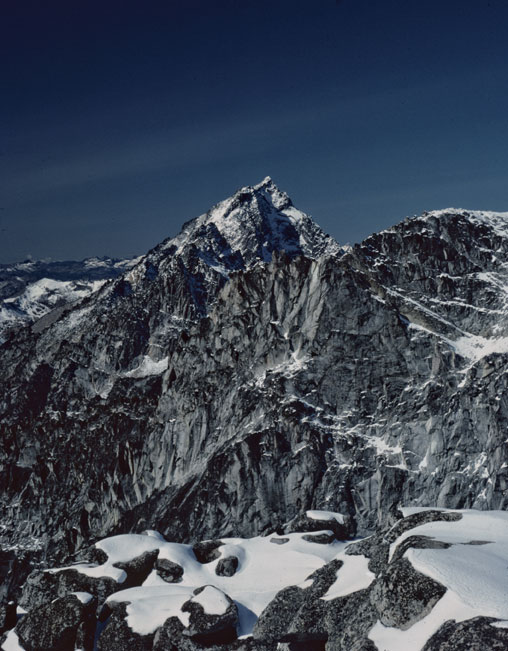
[{"x": 249, "y": 369}]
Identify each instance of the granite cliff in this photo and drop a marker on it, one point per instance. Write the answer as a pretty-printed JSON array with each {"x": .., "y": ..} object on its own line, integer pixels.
[{"x": 251, "y": 369}]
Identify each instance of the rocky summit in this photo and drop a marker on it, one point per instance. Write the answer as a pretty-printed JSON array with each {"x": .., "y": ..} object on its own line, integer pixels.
[{"x": 231, "y": 381}]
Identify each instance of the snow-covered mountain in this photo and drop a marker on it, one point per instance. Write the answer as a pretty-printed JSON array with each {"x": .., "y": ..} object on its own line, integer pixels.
[{"x": 251, "y": 369}]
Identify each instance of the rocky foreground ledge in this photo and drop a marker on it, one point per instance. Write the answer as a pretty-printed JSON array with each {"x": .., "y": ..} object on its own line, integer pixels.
[{"x": 434, "y": 580}]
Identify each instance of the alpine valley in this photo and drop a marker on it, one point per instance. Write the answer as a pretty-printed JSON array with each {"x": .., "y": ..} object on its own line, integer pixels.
[{"x": 254, "y": 438}]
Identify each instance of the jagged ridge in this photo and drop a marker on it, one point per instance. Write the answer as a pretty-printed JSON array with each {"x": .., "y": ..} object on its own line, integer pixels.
[{"x": 204, "y": 394}]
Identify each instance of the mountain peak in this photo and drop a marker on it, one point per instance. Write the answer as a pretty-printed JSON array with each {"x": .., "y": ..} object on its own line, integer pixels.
[
  {"x": 267, "y": 189},
  {"x": 249, "y": 227},
  {"x": 264, "y": 183}
]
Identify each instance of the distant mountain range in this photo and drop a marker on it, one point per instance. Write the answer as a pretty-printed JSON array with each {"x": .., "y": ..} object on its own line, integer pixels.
[{"x": 30, "y": 289}]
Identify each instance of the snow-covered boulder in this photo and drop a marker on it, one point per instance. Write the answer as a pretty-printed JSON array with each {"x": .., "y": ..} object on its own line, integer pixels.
[
  {"x": 117, "y": 635},
  {"x": 43, "y": 586},
  {"x": 341, "y": 526},
  {"x": 420, "y": 583},
  {"x": 138, "y": 568},
  {"x": 433, "y": 580},
  {"x": 213, "y": 616}
]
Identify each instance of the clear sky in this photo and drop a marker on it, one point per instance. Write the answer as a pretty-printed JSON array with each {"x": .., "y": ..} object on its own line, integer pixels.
[{"x": 121, "y": 119}]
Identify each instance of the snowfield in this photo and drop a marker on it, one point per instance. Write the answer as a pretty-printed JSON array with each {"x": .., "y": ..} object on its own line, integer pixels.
[
  {"x": 470, "y": 565},
  {"x": 264, "y": 569}
]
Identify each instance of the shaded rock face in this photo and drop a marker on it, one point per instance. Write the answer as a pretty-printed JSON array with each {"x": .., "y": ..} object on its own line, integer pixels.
[
  {"x": 7, "y": 616},
  {"x": 247, "y": 370}
]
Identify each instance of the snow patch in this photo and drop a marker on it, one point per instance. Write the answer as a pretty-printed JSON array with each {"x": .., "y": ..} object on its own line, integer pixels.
[
  {"x": 84, "y": 597},
  {"x": 149, "y": 607},
  {"x": 263, "y": 570},
  {"x": 213, "y": 601},
  {"x": 352, "y": 576},
  {"x": 11, "y": 642},
  {"x": 148, "y": 367}
]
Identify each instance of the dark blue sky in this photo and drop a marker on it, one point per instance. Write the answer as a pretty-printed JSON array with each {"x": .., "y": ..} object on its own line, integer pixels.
[{"x": 120, "y": 120}]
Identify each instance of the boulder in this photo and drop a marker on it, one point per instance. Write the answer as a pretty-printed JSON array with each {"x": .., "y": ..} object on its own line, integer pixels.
[
  {"x": 273, "y": 622},
  {"x": 323, "y": 538},
  {"x": 418, "y": 542},
  {"x": 375, "y": 548},
  {"x": 297, "y": 615},
  {"x": 348, "y": 620},
  {"x": 213, "y": 616},
  {"x": 65, "y": 624},
  {"x": 477, "y": 634},
  {"x": 417, "y": 519},
  {"x": 43, "y": 586},
  {"x": 138, "y": 568},
  {"x": 303, "y": 523},
  {"x": 168, "y": 571},
  {"x": 118, "y": 636},
  {"x": 171, "y": 637},
  {"x": 402, "y": 596},
  {"x": 227, "y": 566},
  {"x": 207, "y": 551}
]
